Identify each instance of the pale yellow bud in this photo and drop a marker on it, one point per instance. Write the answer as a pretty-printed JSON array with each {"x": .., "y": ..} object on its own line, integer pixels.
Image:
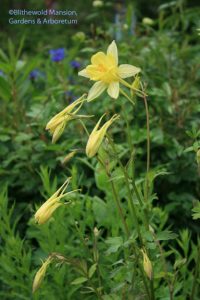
[
  {"x": 57, "y": 124},
  {"x": 147, "y": 265},
  {"x": 79, "y": 36},
  {"x": 96, "y": 231},
  {"x": 68, "y": 157},
  {"x": 40, "y": 275},
  {"x": 125, "y": 26},
  {"x": 97, "y": 3},
  {"x": 147, "y": 21},
  {"x": 46, "y": 210},
  {"x": 135, "y": 85},
  {"x": 97, "y": 135}
]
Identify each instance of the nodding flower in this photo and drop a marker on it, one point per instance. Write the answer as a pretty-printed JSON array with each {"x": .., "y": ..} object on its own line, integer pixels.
[
  {"x": 57, "y": 124},
  {"x": 44, "y": 213},
  {"x": 97, "y": 135},
  {"x": 40, "y": 274},
  {"x": 147, "y": 264},
  {"x": 105, "y": 71}
]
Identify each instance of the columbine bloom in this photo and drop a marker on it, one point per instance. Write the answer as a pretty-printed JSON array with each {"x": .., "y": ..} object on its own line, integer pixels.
[
  {"x": 147, "y": 265},
  {"x": 106, "y": 72},
  {"x": 97, "y": 135},
  {"x": 57, "y": 54},
  {"x": 46, "y": 210},
  {"x": 40, "y": 275},
  {"x": 57, "y": 124}
]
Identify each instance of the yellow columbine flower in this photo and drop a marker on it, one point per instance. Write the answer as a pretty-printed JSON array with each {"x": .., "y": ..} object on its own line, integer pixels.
[
  {"x": 97, "y": 135},
  {"x": 46, "y": 210},
  {"x": 57, "y": 124},
  {"x": 40, "y": 275},
  {"x": 147, "y": 265},
  {"x": 105, "y": 70}
]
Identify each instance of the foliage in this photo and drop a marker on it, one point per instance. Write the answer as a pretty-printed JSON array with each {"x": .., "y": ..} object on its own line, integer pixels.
[{"x": 91, "y": 255}]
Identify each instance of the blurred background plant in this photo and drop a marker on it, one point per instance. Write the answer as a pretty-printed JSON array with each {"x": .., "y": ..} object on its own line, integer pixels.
[{"x": 162, "y": 39}]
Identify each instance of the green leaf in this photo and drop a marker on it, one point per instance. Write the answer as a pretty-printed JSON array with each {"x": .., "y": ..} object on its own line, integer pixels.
[
  {"x": 196, "y": 212},
  {"x": 79, "y": 280},
  {"x": 4, "y": 89},
  {"x": 166, "y": 235},
  {"x": 92, "y": 270},
  {"x": 115, "y": 243}
]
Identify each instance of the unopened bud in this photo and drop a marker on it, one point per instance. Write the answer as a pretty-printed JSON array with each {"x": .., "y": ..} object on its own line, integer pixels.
[
  {"x": 97, "y": 3},
  {"x": 147, "y": 264},
  {"x": 97, "y": 135},
  {"x": 40, "y": 275},
  {"x": 135, "y": 86},
  {"x": 148, "y": 21},
  {"x": 96, "y": 232}
]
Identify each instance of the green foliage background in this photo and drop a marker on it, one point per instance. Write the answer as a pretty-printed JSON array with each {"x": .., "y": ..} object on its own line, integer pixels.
[{"x": 168, "y": 52}]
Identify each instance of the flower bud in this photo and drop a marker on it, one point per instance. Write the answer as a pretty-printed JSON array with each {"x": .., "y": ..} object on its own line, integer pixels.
[
  {"x": 57, "y": 124},
  {"x": 97, "y": 3},
  {"x": 46, "y": 210},
  {"x": 68, "y": 157},
  {"x": 97, "y": 135},
  {"x": 135, "y": 86},
  {"x": 148, "y": 21},
  {"x": 147, "y": 265},
  {"x": 96, "y": 232},
  {"x": 40, "y": 275},
  {"x": 79, "y": 36}
]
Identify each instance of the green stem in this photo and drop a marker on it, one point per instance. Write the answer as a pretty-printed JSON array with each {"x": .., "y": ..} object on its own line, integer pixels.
[
  {"x": 195, "y": 275},
  {"x": 130, "y": 200},
  {"x": 148, "y": 148},
  {"x": 116, "y": 199}
]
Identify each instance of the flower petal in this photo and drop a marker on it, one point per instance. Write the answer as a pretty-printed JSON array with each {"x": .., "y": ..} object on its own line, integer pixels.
[
  {"x": 113, "y": 90},
  {"x": 98, "y": 58},
  {"x": 96, "y": 90},
  {"x": 83, "y": 73},
  {"x": 125, "y": 71},
  {"x": 112, "y": 49}
]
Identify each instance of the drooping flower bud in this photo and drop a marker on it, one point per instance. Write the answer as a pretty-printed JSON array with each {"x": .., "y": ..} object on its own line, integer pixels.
[
  {"x": 68, "y": 157},
  {"x": 135, "y": 86},
  {"x": 40, "y": 274},
  {"x": 147, "y": 265},
  {"x": 46, "y": 210},
  {"x": 97, "y": 135},
  {"x": 57, "y": 124}
]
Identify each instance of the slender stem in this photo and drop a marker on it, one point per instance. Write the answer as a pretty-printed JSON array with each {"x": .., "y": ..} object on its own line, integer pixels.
[
  {"x": 195, "y": 275},
  {"x": 130, "y": 200},
  {"x": 148, "y": 133},
  {"x": 127, "y": 97},
  {"x": 152, "y": 289},
  {"x": 116, "y": 199},
  {"x": 164, "y": 265}
]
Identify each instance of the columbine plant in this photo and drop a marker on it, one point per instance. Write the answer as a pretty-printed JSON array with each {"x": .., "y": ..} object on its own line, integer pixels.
[{"x": 138, "y": 244}]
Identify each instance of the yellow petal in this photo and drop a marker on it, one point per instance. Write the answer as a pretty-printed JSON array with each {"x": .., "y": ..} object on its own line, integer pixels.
[
  {"x": 96, "y": 90},
  {"x": 125, "y": 70},
  {"x": 113, "y": 90},
  {"x": 98, "y": 58},
  {"x": 112, "y": 49},
  {"x": 83, "y": 73}
]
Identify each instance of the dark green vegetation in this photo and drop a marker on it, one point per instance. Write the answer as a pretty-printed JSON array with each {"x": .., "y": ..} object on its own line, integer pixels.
[{"x": 31, "y": 170}]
